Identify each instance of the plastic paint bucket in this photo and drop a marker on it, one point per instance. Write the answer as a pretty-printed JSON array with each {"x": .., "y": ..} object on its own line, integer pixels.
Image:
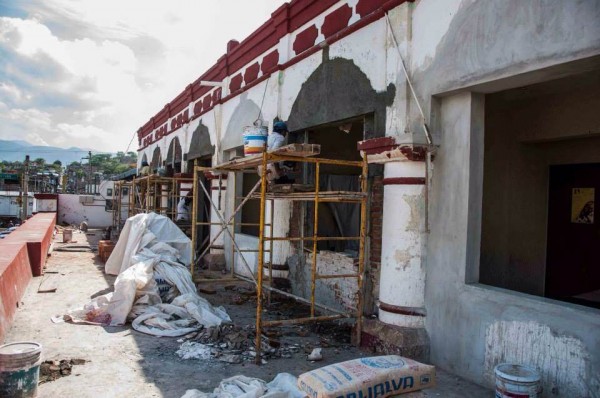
[
  {"x": 517, "y": 381},
  {"x": 67, "y": 235},
  {"x": 255, "y": 139},
  {"x": 20, "y": 369}
]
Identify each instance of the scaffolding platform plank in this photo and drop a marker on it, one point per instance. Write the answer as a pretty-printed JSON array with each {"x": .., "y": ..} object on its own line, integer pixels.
[
  {"x": 324, "y": 196},
  {"x": 293, "y": 150}
]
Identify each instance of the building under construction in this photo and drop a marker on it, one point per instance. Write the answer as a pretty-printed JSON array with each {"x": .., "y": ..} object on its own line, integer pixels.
[{"x": 482, "y": 150}]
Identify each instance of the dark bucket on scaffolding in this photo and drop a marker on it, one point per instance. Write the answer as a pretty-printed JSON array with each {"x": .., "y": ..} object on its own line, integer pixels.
[{"x": 20, "y": 369}]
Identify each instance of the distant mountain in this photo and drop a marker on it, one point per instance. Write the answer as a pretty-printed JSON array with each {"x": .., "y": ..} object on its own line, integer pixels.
[{"x": 13, "y": 150}]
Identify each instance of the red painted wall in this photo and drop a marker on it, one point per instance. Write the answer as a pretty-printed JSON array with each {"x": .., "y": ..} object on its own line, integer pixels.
[
  {"x": 36, "y": 234},
  {"x": 15, "y": 274}
]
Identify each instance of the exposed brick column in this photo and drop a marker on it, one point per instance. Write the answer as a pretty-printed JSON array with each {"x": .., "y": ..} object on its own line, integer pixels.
[{"x": 376, "y": 219}]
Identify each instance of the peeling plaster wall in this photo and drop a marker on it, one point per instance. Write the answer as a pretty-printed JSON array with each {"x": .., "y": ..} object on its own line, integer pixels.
[{"x": 336, "y": 293}]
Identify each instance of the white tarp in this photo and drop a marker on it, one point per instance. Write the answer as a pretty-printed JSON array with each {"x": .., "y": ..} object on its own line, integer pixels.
[
  {"x": 284, "y": 385},
  {"x": 139, "y": 231},
  {"x": 153, "y": 247}
]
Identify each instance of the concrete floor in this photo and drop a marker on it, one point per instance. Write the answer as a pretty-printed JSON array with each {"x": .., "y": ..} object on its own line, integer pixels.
[{"x": 126, "y": 363}]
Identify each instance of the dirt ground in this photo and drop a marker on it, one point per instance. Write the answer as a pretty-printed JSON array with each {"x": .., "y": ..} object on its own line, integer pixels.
[{"x": 121, "y": 362}]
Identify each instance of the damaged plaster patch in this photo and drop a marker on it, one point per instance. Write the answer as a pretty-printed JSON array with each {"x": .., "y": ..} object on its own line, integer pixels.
[
  {"x": 560, "y": 359},
  {"x": 415, "y": 203},
  {"x": 402, "y": 258}
]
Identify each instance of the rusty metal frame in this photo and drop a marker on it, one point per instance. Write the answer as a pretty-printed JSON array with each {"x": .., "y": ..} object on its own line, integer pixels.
[{"x": 358, "y": 197}]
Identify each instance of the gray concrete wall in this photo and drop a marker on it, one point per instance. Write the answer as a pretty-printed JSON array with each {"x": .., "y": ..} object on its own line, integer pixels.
[
  {"x": 525, "y": 132},
  {"x": 473, "y": 327},
  {"x": 459, "y": 47}
]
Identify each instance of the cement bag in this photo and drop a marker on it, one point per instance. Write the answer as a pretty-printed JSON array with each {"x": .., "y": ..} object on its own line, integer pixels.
[{"x": 374, "y": 377}]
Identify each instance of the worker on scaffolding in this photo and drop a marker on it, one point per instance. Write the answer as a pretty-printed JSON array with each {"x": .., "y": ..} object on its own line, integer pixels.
[
  {"x": 145, "y": 170},
  {"x": 183, "y": 208},
  {"x": 276, "y": 172}
]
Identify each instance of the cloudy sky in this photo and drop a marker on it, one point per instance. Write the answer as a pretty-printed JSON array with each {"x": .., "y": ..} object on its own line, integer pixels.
[{"x": 88, "y": 73}]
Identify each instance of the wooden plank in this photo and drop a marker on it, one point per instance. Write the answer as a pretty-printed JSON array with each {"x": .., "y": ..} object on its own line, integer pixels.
[
  {"x": 49, "y": 284},
  {"x": 295, "y": 150}
]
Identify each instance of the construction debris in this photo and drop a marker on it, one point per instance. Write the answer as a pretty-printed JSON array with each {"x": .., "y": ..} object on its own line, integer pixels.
[
  {"x": 154, "y": 288},
  {"x": 52, "y": 370},
  {"x": 284, "y": 385},
  {"x": 315, "y": 355}
]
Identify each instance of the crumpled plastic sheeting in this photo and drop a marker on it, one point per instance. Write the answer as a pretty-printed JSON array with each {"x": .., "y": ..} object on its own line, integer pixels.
[
  {"x": 233, "y": 387},
  {"x": 135, "y": 235},
  {"x": 284, "y": 385},
  {"x": 136, "y": 296}
]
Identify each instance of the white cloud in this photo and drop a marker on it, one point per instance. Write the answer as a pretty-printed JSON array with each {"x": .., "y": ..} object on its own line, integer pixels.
[{"x": 96, "y": 71}]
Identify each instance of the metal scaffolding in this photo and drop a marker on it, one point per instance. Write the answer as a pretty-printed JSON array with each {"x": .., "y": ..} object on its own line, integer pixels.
[
  {"x": 121, "y": 207},
  {"x": 160, "y": 195},
  {"x": 261, "y": 191}
]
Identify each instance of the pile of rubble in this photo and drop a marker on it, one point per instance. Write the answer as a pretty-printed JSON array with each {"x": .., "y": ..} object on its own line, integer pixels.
[
  {"x": 52, "y": 370},
  {"x": 236, "y": 344}
]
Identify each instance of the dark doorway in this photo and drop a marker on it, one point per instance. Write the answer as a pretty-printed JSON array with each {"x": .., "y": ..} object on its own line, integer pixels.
[
  {"x": 338, "y": 141},
  {"x": 572, "y": 270}
]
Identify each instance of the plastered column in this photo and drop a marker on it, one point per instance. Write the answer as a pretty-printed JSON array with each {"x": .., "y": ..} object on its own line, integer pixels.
[{"x": 402, "y": 280}]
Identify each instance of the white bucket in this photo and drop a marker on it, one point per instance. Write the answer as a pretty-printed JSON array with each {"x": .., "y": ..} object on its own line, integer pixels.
[
  {"x": 517, "y": 381},
  {"x": 255, "y": 139}
]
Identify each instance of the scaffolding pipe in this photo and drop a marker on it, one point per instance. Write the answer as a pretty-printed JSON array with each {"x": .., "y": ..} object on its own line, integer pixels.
[{"x": 261, "y": 243}]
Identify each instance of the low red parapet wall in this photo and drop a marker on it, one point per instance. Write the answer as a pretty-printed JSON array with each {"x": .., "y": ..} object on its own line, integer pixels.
[
  {"x": 36, "y": 234},
  {"x": 15, "y": 274}
]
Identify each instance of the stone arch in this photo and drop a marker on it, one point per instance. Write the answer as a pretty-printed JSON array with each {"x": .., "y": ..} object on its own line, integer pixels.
[
  {"x": 200, "y": 145},
  {"x": 339, "y": 90},
  {"x": 174, "y": 154},
  {"x": 144, "y": 158},
  {"x": 156, "y": 159},
  {"x": 244, "y": 114}
]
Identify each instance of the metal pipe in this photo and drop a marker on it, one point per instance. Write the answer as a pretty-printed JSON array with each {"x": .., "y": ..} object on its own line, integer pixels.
[
  {"x": 318, "y": 238},
  {"x": 233, "y": 240},
  {"x": 278, "y": 158},
  {"x": 194, "y": 218},
  {"x": 315, "y": 236},
  {"x": 229, "y": 222},
  {"x": 304, "y": 320},
  {"x": 338, "y": 276},
  {"x": 294, "y": 297},
  {"x": 261, "y": 243},
  {"x": 361, "y": 251}
]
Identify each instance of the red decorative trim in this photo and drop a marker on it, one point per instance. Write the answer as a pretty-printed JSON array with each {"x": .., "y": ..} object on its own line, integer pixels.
[
  {"x": 251, "y": 73},
  {"x": 269, "y": 62},
  {"x": 285, "y": 19},
  {"x": 45, "y": 196},
  {"x": 416, "y": 153},
  {"x": 404, "y": 181},
  {"x": 401, "y": 310},
  {"x": 305, "y": 39},
  {"x": 236, "y": 82},
  {"x": 211, "y": 176},
  {"x": 376, "y": 143},
  {"x": 207, "y": 101},
  {"x": 336, "y": 20},
  {"x": 365, "y": 7}
]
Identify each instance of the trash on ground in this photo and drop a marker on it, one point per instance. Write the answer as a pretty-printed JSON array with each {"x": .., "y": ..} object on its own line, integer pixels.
[
  {"x": 154, "y": 288},
  {"x": 284, "y": 385},
  {"x": 382, "y": 376},
  {"x": 315, "y": 355},
  {"x": 192, "y": 350},
  {"x": 52, "y": 370}
]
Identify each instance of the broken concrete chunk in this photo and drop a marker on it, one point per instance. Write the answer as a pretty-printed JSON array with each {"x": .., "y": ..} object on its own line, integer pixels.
[{"x": 315, "y": 355}]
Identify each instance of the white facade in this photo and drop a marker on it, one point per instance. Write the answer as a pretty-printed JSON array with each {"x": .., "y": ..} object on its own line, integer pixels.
[{"x": 457, "y": 53}]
